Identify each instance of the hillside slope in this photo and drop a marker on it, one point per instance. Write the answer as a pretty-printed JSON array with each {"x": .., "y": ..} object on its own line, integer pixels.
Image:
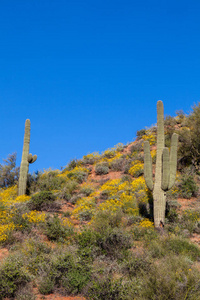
[{"x": 87, "y": 232}]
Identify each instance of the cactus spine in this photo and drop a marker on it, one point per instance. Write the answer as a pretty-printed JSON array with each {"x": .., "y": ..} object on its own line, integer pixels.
[
  {"x": 165, "y": 172},
  {"x": 26, "y": 159}
]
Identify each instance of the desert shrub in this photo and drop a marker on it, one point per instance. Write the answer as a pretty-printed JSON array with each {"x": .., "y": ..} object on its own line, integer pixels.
[
  {"x": 109, "y": 153},
  {"x": 150, "y": 136},
  {"x": 25, "y": 293},
  {"x": 144, "y": 231},
  {"x": 86, "y": 190},
  {"x": 189, "y": 220},
  {"x": 78, "y": 174},
  {"x": 137, "y": 147},
  {"x": 56, "y": 230},
  {"x": 35, "y": 254},
  {"x": 179, "y": 246},
  {"x": 171, "y": 278},
  {"x": 85, "y": 208},
  {"x": 170, "y": 121},
  {"x": 9, "y": 173},
  {"x": 117, "y": 164},
  {"x": 104, "y": 195},
  {"x": 101, "y": 169},
  {"x": 104, "y": 220},
  {"x": 87, "y": 243},
  {"x": 75, "y": 198},
  {"x": 104, "y": 289},
  {"x": 90, "y": 158},
  {"x": 12, "y": 276},
  {"x": 174, "y": 246},
  {"x": 71, "y": 165},
  {"x": 135, "y": 265},
  {"x": 137, "y": 169},
  {"x": 188, "y": 186},
  {"x": 44, "y": 200},
  {"x": 140, "y": 133},
  {"x": 69, "y": 190},
  {"x": 64, "y": 271},
  {"x": 172, "y": 215},
  {"x": 113, "y": 242},
  {"x": 49, "y": 181},
  {"x": 21, "y": 223}
]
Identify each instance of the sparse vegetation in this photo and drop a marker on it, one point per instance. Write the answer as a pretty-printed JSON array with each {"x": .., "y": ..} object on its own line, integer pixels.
[{"x": 80, "y": 232}]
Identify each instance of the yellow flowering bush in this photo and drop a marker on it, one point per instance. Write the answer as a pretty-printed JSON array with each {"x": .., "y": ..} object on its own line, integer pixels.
[
  {"x": 137, "y": 168},
  {"x": 91, "y": 158},
  {"x": 149, "y": 136},
  {"x": 153, "y": 155},
  {"x": 4, "y": 231},
  {"x": 8, "y": 195},
  {"x": 84, "y": 208},
  {"x": 123, "y": 195},
  {"x": 146, "y": 223},
  {"x": 126, "y": 203},
  {"x": 116, "y": 187},
  {"x": 34, "y": 217},
  {"x": 79, "y": 174}
]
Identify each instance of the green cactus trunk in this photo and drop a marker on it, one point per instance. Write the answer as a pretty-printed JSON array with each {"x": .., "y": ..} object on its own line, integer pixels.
[
  {"x": 158, "y": 193},
  {"x": 26, "y": 159},
  {"x": 165, "y": 172}
]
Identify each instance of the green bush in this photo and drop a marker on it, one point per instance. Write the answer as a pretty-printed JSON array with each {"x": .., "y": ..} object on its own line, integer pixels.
[
  {"x": 56, "y": 231},
  {"x": 87, "y": 190},
  {"x": 102, "y": 169},
  {"x": 44, "y": 200},
  {"x": 78, "y": 175},
  {"x": 12, "y": 276},
  {"x": 171, "y": 278},
  {"x": 140, "y": 133},
  {"x": 135, "y": 265},
  {"x": 66, "y": 271},
  {"x": 9, "y": 173},
  {"x": 137, "y": 147},
  {"x": 49, "y": 181},
  {"x": 117, "y": 164},
  {"x": 69, "y": 189},
  {"x": 174, "y": 246},
  {"x": 188, "y": 186},
  {"x": 90, "y": 159},
  {"x": 20, "y": 222},
  {"x": 25, "y": 293},
  {"x": 104, "y": 289},
  {"x": 113, "y": 242}
]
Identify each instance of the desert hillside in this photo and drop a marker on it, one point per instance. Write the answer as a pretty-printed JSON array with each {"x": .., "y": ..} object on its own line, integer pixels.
[{"x": 87, "y": 231}]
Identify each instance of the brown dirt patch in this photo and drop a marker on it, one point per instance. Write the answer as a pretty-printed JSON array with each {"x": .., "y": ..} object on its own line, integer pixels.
[
  {"x": 195, "y": 239},
  {"x": 192, "y": 203},
  {"x": 3, "y": 253}
]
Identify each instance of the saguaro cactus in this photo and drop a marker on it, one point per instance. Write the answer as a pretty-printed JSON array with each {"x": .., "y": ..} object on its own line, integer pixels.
[
  {"x": 26, "y": 159},
  {"x": 166, "y": 165}
]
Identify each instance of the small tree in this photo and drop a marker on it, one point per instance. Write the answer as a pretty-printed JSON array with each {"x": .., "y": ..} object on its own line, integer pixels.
[{"x": 9, "y": 173}]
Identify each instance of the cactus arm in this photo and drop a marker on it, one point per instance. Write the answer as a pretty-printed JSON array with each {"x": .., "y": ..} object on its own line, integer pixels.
[
  {"x": 165, "y": 169},
  {"x": 173, "y": 160},
  {"x": 148, "y": 175},
  {"x": 32, "y": 158}
]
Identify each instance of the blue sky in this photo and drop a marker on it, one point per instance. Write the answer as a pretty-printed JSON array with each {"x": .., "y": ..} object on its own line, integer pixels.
[{"x": 88, "y": 73}]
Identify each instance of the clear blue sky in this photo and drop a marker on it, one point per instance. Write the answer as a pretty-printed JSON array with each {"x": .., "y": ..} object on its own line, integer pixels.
[{"x": 88, "y": 73}]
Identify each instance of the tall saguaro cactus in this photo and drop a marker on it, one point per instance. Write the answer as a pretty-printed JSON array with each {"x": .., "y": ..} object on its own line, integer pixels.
[
  {"x": 26, "y": 159},
  {"x": 165, "y": 172}
]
